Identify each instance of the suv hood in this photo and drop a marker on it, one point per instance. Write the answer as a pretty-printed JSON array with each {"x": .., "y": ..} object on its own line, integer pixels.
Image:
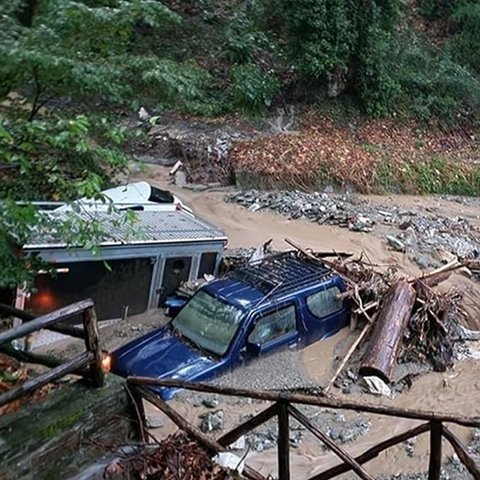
[{"x": 162, "y": 354}]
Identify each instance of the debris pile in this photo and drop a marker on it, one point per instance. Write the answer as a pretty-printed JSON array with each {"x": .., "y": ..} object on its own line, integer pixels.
[
  {"x": 417, "y": 231},
  {"x": 177, "y": 456},
  {"x": 406, "y": 318}
]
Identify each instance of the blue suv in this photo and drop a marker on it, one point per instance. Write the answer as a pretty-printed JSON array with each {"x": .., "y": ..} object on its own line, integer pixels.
[{"x": 280, "y": 301}]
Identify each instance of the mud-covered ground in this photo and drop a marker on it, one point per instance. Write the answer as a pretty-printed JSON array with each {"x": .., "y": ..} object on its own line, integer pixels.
[{"x": 436, "y": 220}]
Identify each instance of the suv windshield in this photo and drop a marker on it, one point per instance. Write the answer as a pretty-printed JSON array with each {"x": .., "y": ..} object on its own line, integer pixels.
[{"x": 208, "y": 322}]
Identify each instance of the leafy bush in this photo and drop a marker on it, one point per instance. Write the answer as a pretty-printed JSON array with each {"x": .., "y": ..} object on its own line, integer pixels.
[
  {"x": 253, "y": 90},
  {"x": 465, "y": 44},
  {"x": 435, "y": 86}
]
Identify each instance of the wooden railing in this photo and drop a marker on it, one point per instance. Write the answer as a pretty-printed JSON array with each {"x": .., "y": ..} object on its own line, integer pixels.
[
  {"x": 283, "y": 409},
  {"x": 88, "y": 363}
]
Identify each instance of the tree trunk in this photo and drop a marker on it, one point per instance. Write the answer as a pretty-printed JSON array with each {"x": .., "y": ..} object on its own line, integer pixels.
[{"x": 388, "y": 331}]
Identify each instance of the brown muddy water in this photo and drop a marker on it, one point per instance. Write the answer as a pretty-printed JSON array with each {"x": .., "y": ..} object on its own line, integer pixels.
[{"x": 455, "y": 391}]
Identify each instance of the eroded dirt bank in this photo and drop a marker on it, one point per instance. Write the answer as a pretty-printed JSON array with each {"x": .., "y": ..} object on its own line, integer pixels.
[{"x": 455, "y": 391}]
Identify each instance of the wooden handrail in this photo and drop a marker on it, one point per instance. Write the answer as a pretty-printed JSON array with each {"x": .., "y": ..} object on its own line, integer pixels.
[
  {"x": 435, "y": 461},
  {"x": 303, "y": 399},
  {"x": 79, "y": 361},
  {"x": 194, "y": 432},
  {"x": 372, "y": 452},
  {"x": 44, "y": 321},
  {"x": 461, "y": 451},
  {"x": 27, "y": 317},
  {"x": 345, "y": 456},
  {"x": 248, "y": 425},
  {"x": 283, "y": 408}
]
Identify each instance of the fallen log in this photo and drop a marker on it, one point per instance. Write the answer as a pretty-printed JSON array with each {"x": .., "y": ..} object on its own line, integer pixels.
[{"x": 388, "y": 331}]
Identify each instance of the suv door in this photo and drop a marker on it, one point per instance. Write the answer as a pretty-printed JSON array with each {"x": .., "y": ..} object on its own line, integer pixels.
[
  {"x": 274, "y": 328},
  {"x": 324, "y": 313}
]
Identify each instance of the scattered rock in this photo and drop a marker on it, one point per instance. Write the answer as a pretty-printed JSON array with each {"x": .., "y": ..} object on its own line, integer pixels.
[
  {"x": 416, "y": 232},
  {"x": 180, "y": 179},
  {"x": 210, "y": 402},
  {"x": 155, "y": 423},
  {"x": 212, "y": 421}
]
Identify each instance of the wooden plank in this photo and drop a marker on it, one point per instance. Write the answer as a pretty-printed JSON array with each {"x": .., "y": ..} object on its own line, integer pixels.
[
  {"x": 336, "y": 403},
  {"x": 388, "y": 330},
  {"x": 435, "y": 463},
  {"x": 46, "y": 360},
  {"x": 204, "y": 440},
  {"x": 26, "y": 317},
  {"x": 248, "y": 426},
  {"x": 340, "y": 452},
  {"x": 283, "y": 442},
  {"x": 347, "y": 356},
  {"x": 462, "y": 453},
  {"x": 44, "y": 321},
  {"x": 92, "y": 343},
  {"x": 77, "y": 362},
  {"x": 372, "y": 452}
]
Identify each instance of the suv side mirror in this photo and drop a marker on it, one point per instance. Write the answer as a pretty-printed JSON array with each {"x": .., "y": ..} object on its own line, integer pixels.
[{"x": 253, "y": 348}]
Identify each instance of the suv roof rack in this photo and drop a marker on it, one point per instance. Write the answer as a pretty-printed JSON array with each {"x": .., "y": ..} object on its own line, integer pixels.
[{"x": 280, "y": 272}]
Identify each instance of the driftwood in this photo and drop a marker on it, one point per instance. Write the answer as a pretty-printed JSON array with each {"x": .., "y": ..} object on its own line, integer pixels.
[
  {"x": 350, "y": 352},
  {"x": 388, "y": 332}
]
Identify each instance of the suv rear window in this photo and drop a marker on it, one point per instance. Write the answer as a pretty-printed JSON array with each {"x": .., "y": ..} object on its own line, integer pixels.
[{"x": 324, "y": 302}]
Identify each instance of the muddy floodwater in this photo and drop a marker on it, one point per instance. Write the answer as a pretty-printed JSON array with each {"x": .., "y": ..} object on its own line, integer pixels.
[{"x": 455, "y": 391}]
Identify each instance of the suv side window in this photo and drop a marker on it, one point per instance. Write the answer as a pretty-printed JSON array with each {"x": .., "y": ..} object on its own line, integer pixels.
[
  {"x": 324, "y": 302},
  {"x": 273, "y": 325}
]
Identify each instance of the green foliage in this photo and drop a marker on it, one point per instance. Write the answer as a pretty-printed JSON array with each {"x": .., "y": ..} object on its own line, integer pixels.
[
  {"x": 435, "y": 86},
  {"x": 58, "y": 158},
  {"x": 465, "y": 43},
  {"x": 438, "y": 9},
  {"x": 321, "y": 34},
  {"x": 344, "y": 37},
  {"x": 253, "y": 90}
]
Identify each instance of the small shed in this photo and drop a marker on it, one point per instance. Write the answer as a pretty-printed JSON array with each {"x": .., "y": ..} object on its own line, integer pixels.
[{"x": 136, "y": 267}]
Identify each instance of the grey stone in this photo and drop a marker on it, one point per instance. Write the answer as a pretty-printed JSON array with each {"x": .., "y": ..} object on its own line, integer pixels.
[
  {"x": 212, "y": 421},
  {"x": 155, "y": 423},
  {"x": 210, "y": 402},
  {"x": 180, "y": 179}
]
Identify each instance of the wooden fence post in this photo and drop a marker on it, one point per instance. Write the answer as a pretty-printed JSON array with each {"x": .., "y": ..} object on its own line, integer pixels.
[
  {"x": 283, "y": 442},
  {"x": 435, "y": 450},
  {"x": 92, "y": 342}
]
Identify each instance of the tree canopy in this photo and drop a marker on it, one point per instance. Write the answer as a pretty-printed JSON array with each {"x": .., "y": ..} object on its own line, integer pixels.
[{"x": 70, "y": 68}]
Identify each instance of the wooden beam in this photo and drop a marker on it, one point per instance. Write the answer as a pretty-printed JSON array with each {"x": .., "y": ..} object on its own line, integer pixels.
[
  {"x": 372, "y": 452},
  {"x": 283, "y": 449},
  {"x": 387, "y": 335},
  {"x": 340, "y": 452},
  {"x": 92, "y": 343},
  {"x": 26, "y": 317},
  {"x": 204, "y": 440},
  {"x": 461, "y": 451},
  {"x": 336, "y": 403},
  {"x": 44, "y": 321},
  {"x": 435, "y": 463},
  {"x": 77, "y": 362},
  {"x": 29, "y": 357},
  {"x": 248, "y": 426}
]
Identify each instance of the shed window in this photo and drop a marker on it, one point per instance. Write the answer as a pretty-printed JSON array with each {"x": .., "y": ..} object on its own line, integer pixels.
[
  {"x": 325, "y": 302},
  {"x": 273, "y": 325}
]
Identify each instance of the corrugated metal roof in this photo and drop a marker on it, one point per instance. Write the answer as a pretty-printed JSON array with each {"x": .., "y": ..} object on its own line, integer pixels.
[{"x": 149, "y": 227}]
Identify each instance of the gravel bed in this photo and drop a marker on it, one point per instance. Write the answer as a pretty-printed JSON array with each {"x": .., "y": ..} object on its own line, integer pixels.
[{"x": 420, "y": 231}]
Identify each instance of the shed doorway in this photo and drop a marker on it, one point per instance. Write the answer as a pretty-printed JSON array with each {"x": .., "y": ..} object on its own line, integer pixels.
[{"x": 176, "y": 271}]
